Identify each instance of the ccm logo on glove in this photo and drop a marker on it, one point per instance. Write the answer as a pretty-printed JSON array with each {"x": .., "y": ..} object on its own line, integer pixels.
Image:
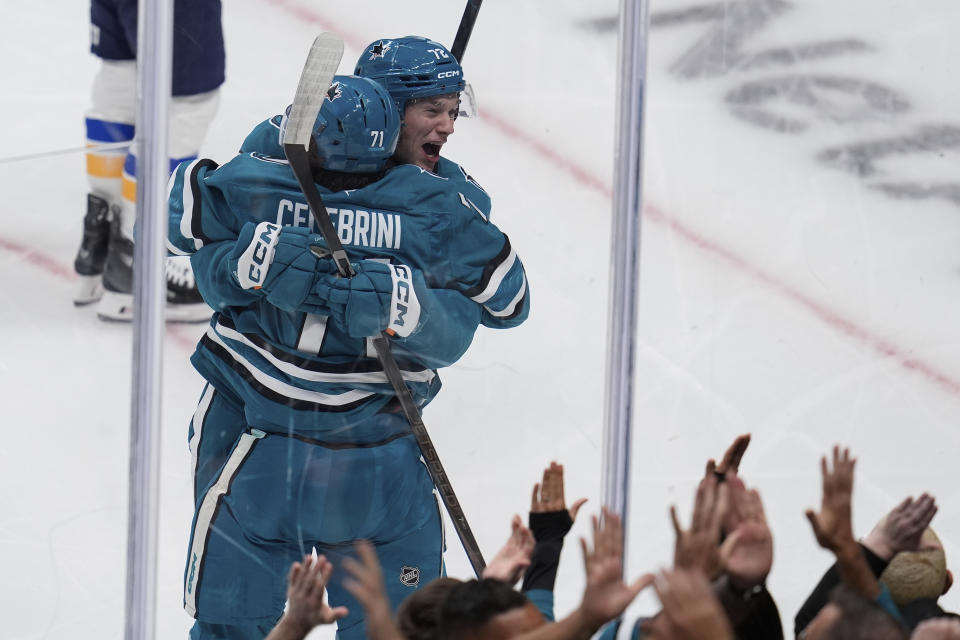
[
  {"x": 405, "y": 310},
  {"x": 257, "y": 258}
]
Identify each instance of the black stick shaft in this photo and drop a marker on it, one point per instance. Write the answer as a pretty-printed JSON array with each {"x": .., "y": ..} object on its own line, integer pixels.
[
  {"x": 465, "y": 29},
  {"x": 299, "y": 160},
  {"x": 430, "y": 456}
]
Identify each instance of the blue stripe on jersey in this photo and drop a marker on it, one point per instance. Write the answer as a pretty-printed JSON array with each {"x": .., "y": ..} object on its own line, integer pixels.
[
  {"x": 105, "y": 131},
  {"x": 130, "y": 164}
]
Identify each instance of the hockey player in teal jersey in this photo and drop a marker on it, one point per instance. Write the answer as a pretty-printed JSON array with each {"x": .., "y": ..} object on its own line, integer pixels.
[
  {"x": 298, "y": 440},
  {"x": 428, "y": 86}
]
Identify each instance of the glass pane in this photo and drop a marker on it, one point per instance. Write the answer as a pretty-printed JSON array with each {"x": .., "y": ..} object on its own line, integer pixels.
[{"x": 798, "y": 265}]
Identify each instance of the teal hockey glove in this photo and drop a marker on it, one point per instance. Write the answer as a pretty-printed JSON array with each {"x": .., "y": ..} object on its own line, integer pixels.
[
  {"x": 277, "y": 261},
  {"x": 380, "y": 297}
]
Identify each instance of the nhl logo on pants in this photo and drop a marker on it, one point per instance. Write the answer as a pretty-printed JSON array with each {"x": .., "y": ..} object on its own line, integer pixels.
[{"x": 409, "y": 576}]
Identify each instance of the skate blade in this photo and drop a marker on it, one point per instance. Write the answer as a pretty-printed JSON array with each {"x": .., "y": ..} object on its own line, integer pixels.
[{"x": 115, "y": 307}]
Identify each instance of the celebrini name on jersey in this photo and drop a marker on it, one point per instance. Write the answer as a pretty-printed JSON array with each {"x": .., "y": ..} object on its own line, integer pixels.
[{"x": 357, "y": 227}]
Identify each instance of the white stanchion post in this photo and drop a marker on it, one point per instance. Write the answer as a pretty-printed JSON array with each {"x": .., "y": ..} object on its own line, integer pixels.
[
  {"x": 625, "y": 259},
  {"x": 154, "y": 64}
]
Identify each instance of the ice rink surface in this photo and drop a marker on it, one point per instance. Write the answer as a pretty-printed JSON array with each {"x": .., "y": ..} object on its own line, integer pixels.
[{"x": 800, "y": 278}]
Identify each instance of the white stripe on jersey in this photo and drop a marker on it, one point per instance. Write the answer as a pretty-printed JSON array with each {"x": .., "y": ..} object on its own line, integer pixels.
[
  {"x": 206, "y": 512},
  {"x": 175, "y": 250},
  {"x": 369, "y": 377},
  {"x": 198, "y": 417},
  {"x": 496, "y": 278},
  {"x": 311, "y": 337},
  {"x": 172, "y": 248},
  {"x": 512, "y": 307},
  {"x": 289, "y": 391},
  {"x": 186, "y": 221}
]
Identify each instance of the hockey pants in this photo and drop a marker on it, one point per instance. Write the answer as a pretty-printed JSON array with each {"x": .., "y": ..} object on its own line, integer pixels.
[{"x": 268, "y": 499}]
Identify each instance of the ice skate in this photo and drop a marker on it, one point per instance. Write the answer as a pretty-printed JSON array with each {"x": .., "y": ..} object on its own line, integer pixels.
[
  {"x": 116, "y": 302},
  {"x": 184, "y": 302},
  {"x": 92, "y": 253}
]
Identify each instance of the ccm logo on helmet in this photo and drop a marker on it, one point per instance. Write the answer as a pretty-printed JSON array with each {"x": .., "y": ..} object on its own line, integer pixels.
[{"x": 447, "y": 74}]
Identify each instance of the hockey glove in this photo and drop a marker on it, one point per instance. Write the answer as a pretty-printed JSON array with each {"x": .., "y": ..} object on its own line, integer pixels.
[
  {"x": 277, "y": 261},
  {"x": 380, "y": 297}
]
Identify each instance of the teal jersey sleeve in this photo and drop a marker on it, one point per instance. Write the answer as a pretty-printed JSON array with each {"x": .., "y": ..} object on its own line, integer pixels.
[
  {"x": 183, "y": 220},
  {"x": 489, "y": 271},
  {"x": 198, "y": 211},
  {"x": 494, "y": 278},
  {"x": 447, "y": 330},
  {"x": 455, "y": 243},
  {"x": 215, "y": 279}
]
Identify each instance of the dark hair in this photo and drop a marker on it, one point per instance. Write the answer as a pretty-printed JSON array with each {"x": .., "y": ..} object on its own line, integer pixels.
[
  {"x": 472, "y": 604},
  {"x": 861, "y": 619},
  {"x": 340, "y": 181},
  {"x": 418, "y": 616}
]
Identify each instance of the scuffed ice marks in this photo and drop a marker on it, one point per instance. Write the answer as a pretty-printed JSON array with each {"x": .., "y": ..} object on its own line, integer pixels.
[
  {"x": 836, "y": 99},
  {"x": 938, "y": 142},
  {"x": 793, "y": 103}
]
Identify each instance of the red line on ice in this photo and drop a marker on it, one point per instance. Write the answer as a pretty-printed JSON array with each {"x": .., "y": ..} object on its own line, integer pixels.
[
  {"x": 826, "y": 314},
  {"x": 55, "y": 268},
  {"x": 37, "y": 259}
]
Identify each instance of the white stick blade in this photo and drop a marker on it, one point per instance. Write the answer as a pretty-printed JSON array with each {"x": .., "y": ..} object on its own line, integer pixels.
[{"x": 318, "y": 71}]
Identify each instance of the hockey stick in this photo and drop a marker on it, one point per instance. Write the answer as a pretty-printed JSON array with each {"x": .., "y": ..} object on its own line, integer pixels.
[
  {"x": 298, "y": 144},
  {"x": 465, "y": 29}
]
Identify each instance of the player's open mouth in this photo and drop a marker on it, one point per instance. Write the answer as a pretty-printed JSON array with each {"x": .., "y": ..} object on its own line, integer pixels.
[{"x": 431, "y": 149}]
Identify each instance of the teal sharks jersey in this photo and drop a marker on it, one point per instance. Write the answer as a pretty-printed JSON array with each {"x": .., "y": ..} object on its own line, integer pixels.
[{"x": 301, "y": 372}]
